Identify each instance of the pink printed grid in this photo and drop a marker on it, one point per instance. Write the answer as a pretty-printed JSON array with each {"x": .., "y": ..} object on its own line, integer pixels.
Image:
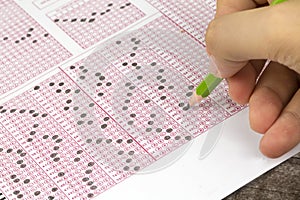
[
  {"x": 181, "y": 52},
  {"x": 88, "y": 22},
  {"x": 59, "y": 158},
  {"x": 21, "y": 177},
  {"x": 192, "y": 16},
  {"x": 27, "y": 50},
  {"x": 54, "y": 100}
]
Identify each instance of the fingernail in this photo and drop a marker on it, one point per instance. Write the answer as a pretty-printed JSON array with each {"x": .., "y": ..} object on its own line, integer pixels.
[{"x": 213, "y": 68}]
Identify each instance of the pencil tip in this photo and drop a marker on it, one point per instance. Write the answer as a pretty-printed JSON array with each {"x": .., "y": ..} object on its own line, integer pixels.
[{"x": 195, "y": 99}]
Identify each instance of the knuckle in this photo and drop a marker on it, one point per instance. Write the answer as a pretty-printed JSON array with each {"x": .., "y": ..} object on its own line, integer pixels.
[{"x": 293, "y": 118}]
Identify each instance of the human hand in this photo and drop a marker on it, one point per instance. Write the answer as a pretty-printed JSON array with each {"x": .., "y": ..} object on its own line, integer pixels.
[{"x": 239, "y": 40}]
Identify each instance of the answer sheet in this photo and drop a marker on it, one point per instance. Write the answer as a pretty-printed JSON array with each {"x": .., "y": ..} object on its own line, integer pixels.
[{"x": 93, "y": 93}]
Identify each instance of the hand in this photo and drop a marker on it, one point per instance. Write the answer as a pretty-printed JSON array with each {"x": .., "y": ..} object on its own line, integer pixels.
[{"x": 242, "y": 36}]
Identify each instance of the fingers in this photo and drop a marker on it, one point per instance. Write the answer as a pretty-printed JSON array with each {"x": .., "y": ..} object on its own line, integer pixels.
[
  {"x": 270, "y": 32},
  {"x": 285, "y": 132},
  {"x": 241, "y": 85},
  {"x": 272, "y": 93}
]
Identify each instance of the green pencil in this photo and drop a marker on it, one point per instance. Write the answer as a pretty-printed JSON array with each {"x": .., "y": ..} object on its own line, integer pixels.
[{"x": 210, "y": 82}]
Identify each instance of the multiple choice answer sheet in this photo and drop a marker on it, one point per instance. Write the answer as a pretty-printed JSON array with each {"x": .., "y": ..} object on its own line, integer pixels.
[{"x": 92, "y": 92}]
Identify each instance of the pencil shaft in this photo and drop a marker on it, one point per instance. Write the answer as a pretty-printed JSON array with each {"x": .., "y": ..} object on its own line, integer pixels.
[{"x": 208, "y": 85}]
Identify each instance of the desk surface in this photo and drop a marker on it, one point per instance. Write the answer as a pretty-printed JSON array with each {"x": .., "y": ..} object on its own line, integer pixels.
[{"x": 282, "y": 182}]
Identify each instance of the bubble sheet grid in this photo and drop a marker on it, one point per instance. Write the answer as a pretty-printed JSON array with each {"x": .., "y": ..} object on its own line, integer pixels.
[
  {"x": 60, "y": 157},
  {"x": 20, "y": 176},
  {"x": 90, "y": 21},
  {"x": 92, "y": 128},
  {"x": 26, "y": 49},
  {"x": 129, "y": 107},
  {"x": 221, "y": 97},
  {"x": 177, "y": 48},
  {"x": 212, "y": 3},
  {"x": 166, "y": 87},
  {"x": 192, "y": 16},
  {"x": 186, "y": 56}
]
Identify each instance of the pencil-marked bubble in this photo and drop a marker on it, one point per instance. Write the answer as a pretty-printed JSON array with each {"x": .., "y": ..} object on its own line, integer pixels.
[
  {"x": 119, "y": 141},
  {"x": 85, "y": 179},
  {"x": 91, "y": 105},
  {"x": 127, "y": 101},
  {"x": 161, "y": 87},
  {"x": 189, "y": 94},
  {"x": 76, "y": 108},
  {"x": 80, "y": 122},
  {"x": 163, "y": 97},
  {"x": 158, "y": 130},
  {"x": 98, "y": 141},
  {"x": 167, "y": 137},
  {"x": 103, "y": 126},
  {"x": 177, "y": 137},
  {"x": 188, "y": 137},
  {"x": 108, "y": 141},
  {"x": 77, "y": 91},
  {"x": 100, "y": 94},
  {"x": 94, "y": 187},
  {"x": 191, "y": 87},
  {"x": 150, "y": 122},
  {"x": 90, "y": 195},
  {"x": 56, "y": 148},
  {"x": 136, "y": 168},
  {"x": 148, "y": 129},
  {"x": 186, "y": 108}
]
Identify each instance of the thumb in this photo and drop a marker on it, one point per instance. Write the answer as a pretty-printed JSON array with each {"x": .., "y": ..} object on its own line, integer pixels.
[{"x": 271, "y": 32}]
